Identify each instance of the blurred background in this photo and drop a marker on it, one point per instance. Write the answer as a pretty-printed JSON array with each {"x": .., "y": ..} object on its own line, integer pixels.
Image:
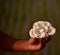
[{"x": 17, "y": 17}]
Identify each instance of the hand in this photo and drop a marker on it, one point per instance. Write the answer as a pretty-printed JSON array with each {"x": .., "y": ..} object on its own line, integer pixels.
[{"x": 36, "y": 44}]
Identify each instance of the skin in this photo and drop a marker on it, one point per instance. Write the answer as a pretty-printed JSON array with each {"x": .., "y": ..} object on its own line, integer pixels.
[{"x": 7, "y": 43}]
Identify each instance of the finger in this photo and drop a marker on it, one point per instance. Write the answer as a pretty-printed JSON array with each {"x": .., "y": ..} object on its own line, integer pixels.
[
  {"x": 48, "y": 39},
  {"x": 37, "y": 40},
  {"x": 42, "y": 40},
  {"x": 42, "y": 43},
  {"x": 32, "y": 40}
]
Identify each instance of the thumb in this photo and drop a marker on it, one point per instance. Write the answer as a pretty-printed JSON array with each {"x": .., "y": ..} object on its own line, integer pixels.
[{"x": 32, "y": 40}]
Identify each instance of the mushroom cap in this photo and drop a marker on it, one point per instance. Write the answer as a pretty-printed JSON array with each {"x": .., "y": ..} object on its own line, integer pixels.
[{"x": 42, "y": 29}]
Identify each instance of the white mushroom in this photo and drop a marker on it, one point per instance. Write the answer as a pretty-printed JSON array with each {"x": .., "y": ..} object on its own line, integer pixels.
[
  {"x": 52, "y": 31},
  {"x": 31, "y": 33},
  {"x": 42, "y": 29},
  {"x": 42, "y": 35}
]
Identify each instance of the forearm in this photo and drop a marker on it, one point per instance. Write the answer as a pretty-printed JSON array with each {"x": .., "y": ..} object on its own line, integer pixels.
[
  {"x": 20, "y": 45},
  {"x": 10, "y": 44}
]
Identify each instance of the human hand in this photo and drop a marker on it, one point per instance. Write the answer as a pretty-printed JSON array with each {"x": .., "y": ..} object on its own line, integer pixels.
[{"x": 36, "y": 44}]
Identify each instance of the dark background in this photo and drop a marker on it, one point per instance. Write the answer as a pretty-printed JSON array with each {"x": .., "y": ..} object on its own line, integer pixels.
[{"x": 17, "y": 17}]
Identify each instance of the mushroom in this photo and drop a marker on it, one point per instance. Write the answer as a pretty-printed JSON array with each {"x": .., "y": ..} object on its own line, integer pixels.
[{"x": 42, "y": 29}]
